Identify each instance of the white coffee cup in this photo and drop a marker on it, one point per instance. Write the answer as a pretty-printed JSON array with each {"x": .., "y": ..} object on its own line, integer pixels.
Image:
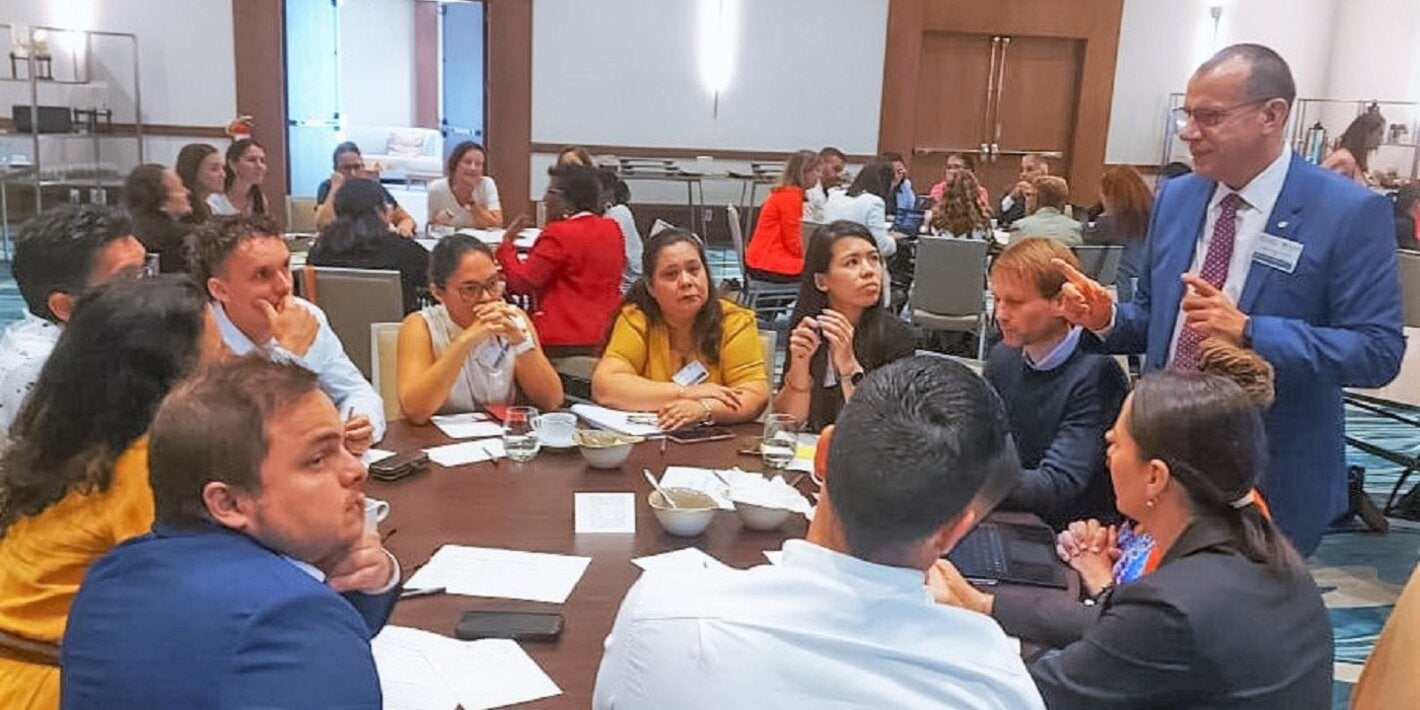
[
  {"x": 375, "y": 511},
  {"x": 557, "y": 429}
]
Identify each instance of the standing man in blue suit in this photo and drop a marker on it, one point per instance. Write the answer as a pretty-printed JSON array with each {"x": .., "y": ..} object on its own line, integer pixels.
[
  {"x": 1265, "y": 250},
  {"x": 258, "y": 586}
]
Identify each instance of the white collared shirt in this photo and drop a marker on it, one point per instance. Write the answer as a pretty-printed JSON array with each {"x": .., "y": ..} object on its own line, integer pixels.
[
  {"x": 24, "y": 348},
  {"x": 1261, "y": 195},
  {"x": 339, "y": 378},
  {"x": 822, "y": 629}
]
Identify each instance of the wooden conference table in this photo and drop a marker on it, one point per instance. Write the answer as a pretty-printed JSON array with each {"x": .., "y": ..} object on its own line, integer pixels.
[{"x": 528, "y": 507}]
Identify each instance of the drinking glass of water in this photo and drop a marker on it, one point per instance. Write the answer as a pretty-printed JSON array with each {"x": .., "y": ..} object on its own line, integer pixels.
[
  {"x": 780, "y": 440},
  {"x": 520, "y": 433}
]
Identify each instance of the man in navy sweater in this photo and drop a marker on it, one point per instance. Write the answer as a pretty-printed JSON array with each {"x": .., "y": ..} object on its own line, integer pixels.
[
  {"x": 1060, "y": 400},
  {"x": 259, "y": 585}
]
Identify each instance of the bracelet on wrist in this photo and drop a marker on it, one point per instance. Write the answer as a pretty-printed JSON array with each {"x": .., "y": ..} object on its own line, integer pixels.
[{"x": 709, "y": 413}]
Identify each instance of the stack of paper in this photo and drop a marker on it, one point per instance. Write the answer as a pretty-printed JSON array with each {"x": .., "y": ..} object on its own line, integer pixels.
[
  {"x": 624, "y": 422},
  {"x": 423, "y": 671},
  {"x": 509, "y": 574},
  {"x": 467, "y": 452},
  {"x": 466, "y": 426}
]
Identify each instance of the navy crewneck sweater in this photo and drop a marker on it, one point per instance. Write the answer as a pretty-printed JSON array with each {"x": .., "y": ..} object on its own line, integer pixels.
[{"x": 1059, "y": 418}]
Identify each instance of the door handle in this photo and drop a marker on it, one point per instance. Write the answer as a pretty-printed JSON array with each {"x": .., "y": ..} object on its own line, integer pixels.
[
  {"x": 990, "y": 94},
  {"x": 1000, "y": 91}
]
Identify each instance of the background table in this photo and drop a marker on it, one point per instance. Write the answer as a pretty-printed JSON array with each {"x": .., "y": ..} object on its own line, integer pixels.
[{"x": 529, "y": 507}]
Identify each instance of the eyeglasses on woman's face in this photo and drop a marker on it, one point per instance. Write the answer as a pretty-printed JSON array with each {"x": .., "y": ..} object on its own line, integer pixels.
[{"x": 473, "y": 291}]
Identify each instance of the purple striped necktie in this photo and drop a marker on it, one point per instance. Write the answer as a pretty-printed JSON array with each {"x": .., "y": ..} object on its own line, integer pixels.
[{"x": 1215, "y": 271}]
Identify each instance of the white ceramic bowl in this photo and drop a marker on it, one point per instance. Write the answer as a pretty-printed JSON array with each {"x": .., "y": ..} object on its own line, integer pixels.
[
  {"x": 759, "y": 517},
  {"x": 605, "y": 449},
  {"x": 691, "y": 518}
]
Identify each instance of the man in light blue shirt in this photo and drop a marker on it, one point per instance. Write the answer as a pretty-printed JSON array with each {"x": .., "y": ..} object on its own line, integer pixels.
[
  {"x": 847, "y": 619},
  {"x": 245, "y": 266}
]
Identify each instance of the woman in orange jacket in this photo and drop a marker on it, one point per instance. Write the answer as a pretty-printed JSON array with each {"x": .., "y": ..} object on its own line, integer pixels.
[{"x": 776, "y": 249}]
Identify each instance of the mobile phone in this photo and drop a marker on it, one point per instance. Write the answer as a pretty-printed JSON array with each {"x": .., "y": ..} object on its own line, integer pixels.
[
  {"x": 517, "y": 625},
  {"x": 398, "y": 466},
  {"x": 695, "y": 435}
]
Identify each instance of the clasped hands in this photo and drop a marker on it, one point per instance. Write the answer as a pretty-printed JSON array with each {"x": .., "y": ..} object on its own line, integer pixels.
[
  {"x": 1084, "y": 302},
  {"x": 494, "y": 318},
  {"x": 809, "y": 334},
  {"x": 690, "y": 406}
]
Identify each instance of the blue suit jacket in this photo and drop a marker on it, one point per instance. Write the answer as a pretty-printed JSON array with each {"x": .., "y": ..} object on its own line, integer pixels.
[
  {"x": 1332, "y": 323},
  {"x": 209, "y": 618}
]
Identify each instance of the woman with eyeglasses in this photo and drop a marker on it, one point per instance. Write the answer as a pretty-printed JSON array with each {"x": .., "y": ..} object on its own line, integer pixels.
[{"x": 472, "y": 348}]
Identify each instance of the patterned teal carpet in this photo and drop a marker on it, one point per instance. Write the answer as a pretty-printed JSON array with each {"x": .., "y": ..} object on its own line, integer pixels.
[{"x": 1360, "y": 574}]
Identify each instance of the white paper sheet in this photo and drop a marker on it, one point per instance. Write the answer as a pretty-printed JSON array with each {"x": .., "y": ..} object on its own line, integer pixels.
[
  {"x": 427, "y": 671},
  {"x": 615, "y": 420},
  {"x": 774, "y": 556},
  {"x": 467, "y": 452},
  {"x": 604, "y": 512},
  {"x": 372, "y": 455},
  {"x": 684, "y": 558},
  {"x": 471, "y": 425},
  {"x": 408, "y": 680},
  {"x": 507, "y": 574}
]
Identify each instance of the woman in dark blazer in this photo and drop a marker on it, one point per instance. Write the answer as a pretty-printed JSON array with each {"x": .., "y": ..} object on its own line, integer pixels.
[
  {"x": 842, "y": 331},
  {"x": 1230, "y": 619}
]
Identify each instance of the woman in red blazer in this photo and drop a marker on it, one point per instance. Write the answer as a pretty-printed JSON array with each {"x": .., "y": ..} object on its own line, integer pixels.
[
  {"x": 776, "y": 249},
  {"x": 574, "y": 269}
]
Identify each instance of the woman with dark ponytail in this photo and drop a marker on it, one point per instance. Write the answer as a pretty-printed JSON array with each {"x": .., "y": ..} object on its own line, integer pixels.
[{"x": 1230, "y": 618}]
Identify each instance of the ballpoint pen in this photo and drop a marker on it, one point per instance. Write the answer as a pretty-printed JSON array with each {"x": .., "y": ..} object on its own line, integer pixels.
[{"x": 412, "y": 593}]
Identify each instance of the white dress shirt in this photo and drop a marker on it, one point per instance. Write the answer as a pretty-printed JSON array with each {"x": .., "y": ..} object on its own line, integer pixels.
[
  {"x": 319, "y": 576},
  {"x": 339, "y": 378},
  {"x": 24, "y": 348},
  {"x": 1261, "y": 195},
  {"x": 822, "y": 629},
  {"x": 866, "y": 209}
]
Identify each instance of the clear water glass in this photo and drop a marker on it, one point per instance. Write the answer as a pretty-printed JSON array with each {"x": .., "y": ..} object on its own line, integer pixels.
[
  {"x": 520, "y": 440},
  {"x": 780, "y": 440}
]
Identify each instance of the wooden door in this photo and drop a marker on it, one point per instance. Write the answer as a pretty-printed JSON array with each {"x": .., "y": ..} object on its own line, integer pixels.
[
  {"x": 1035, "y": 110},
  {"x": 1016, "y": 94},
  {"x": 952, "y": 102}
]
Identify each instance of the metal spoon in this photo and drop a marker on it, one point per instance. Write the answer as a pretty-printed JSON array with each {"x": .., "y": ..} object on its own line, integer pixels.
[{"x": 669, "y": 501}]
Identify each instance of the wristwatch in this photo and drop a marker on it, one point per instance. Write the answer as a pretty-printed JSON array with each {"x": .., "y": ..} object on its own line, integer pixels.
[{"x": 857, "y": 378}]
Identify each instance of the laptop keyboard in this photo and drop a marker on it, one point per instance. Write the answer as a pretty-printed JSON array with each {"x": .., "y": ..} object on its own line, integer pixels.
[{"x": 981, "y": 554}]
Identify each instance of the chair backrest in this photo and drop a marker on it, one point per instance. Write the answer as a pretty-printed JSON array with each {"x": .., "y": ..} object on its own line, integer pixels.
[
  {"x": 950, "y": 276},
  {"x": 732, "y": 215},
  {"x": 384, "y": 366},
  {"x": 1408, "y": 263},
  {"x": 300, "y": 214},
  {"x": 353, "y": 299},
  {"x": 807, "y": 230},
  {"x": 1100, "y": 262}
]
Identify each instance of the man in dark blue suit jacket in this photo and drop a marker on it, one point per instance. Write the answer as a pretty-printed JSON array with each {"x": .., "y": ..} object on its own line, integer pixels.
[
  {"x": 234, "y": 600},
  {"x": 1304, "y": 273}
]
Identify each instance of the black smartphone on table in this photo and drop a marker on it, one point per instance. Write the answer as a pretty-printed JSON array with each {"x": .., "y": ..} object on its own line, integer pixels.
[
  {"x": 399, "y": 466},
  {"x": 695, "y": 435},
  {"x": 516, "y": 625}
]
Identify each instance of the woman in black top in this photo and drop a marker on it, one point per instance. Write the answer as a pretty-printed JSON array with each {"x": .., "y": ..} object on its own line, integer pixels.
[
  {"x": 1229, "y": 619},
  {"x": 360, "y": 238},
  {"x": 157, "y": 199},
  {"x": 842, "y": 330}
]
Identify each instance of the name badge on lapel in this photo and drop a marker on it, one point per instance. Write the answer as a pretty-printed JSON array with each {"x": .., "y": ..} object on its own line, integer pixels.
[
  {"x": 1278, "y": 253},
  {"x": 692, "y": 374}
]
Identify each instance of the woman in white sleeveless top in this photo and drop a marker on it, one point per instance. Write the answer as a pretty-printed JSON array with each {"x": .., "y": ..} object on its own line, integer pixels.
[{"x": 472, "y": 348}]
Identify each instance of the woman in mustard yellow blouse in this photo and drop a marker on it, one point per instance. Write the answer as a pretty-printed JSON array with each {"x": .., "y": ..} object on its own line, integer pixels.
[
  {"x": 74, "y": 476},
  {"x": 678, "y": 350}
]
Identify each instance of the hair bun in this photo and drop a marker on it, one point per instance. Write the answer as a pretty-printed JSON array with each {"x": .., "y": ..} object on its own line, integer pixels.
[{"x": 1243, "y": 366}]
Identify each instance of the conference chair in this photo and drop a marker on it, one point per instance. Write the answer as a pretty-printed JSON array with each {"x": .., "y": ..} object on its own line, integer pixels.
[
  {"x": 767, "y": 300},
  {"x": 1100, "y": 262},
  {"x": 301, "y": 214},
  {"x": 384, "y": 366},
  {"x": 353, "y": 299},
  {"x": 949, "y": 287}
]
